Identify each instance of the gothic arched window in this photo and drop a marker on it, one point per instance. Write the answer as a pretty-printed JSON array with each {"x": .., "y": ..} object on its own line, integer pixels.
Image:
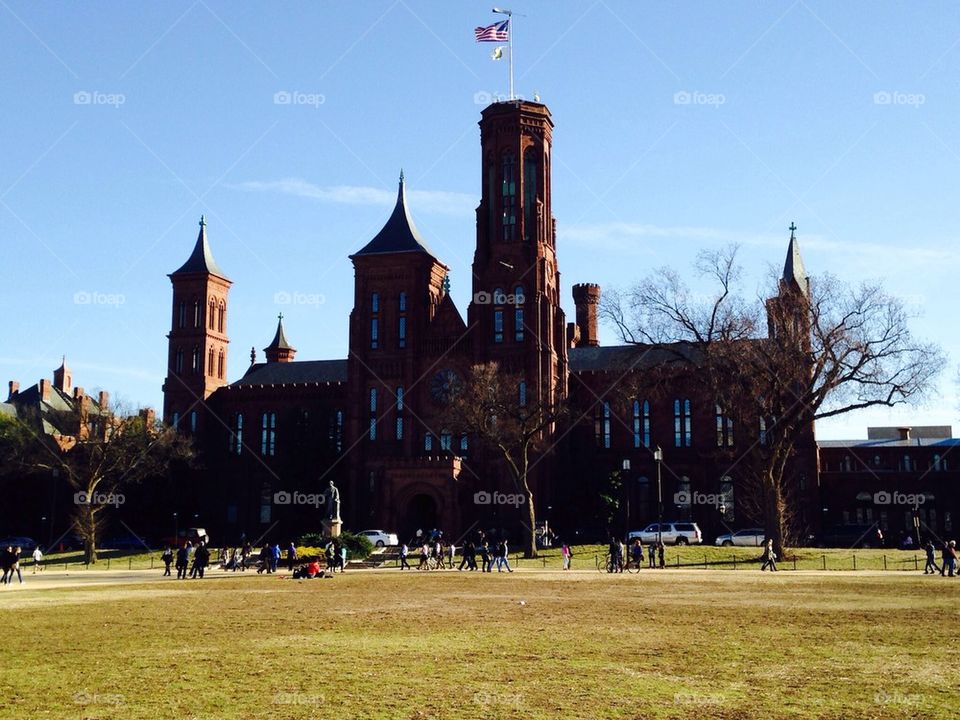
[
  {"x": 508, "y": 193},
  {"x": 529, "y": 194}
]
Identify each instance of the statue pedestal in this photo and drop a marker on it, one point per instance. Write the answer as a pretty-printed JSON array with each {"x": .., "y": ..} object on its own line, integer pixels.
[{"x": 331, "y": 528}]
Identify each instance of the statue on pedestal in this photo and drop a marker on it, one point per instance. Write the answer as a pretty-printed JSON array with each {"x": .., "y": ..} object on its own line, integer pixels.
[{"x": 332, "y": 522}]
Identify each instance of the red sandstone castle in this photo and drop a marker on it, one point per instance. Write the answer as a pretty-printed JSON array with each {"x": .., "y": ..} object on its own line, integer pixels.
[{"x": 371, "y": 422}]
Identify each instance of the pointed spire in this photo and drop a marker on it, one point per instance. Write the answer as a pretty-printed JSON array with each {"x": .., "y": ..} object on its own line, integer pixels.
[
  {"x": 279, "y": 350},
  {"x": 399, "y": 234},
  {"x": 201, "y": 259},
  {"x": 793, "y": 269}
]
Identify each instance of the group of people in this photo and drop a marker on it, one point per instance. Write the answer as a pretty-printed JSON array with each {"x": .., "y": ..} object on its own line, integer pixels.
[
  {"x": 436, "y": 554},
  {"x": 948, "y": 559},
  {"x": 199, "y": 555},
  {"x": 621, "y": 557}
]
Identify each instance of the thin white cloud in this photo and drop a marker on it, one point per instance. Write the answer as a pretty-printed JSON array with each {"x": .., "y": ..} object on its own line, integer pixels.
[
  {"x": 630, "y": 237},
  {"x": 438, "y": 202}
]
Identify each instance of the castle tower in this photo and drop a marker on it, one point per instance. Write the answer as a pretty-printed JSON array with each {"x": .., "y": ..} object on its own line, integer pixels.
[
  {"x": 63, "y": 377},
  {"x": 788, "y": 312},
  {"x": 586, "y": 297},
  {"x": 515, "y": 310},
  {"x": 197, "y": 354}
]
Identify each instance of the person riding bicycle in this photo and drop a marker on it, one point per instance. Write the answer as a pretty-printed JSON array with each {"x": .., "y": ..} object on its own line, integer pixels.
[{"x": 636, "y": 553}]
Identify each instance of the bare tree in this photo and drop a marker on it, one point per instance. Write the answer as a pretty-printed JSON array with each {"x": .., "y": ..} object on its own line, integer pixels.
[
  {"x": 489, "y": 406},
  {"x": 105, "y": 454},
  {"x": 829, "y": 349}
]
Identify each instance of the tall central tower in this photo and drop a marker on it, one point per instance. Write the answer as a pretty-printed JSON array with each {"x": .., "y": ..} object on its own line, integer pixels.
[
  {"x": 197, "y": 342},
  {"x": 515, "y": 310}
]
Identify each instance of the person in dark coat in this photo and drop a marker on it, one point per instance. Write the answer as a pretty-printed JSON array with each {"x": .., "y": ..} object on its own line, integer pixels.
[
  {"x": 201, "y": 558},
  {"x": 6, "y": 563},
  {"x": 183, "y": 557},
  {"x": 167, "y": 557}
]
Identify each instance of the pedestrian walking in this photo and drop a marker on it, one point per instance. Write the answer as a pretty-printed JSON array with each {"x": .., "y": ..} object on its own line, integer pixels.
[
  {"x": 183, "y": 555},
  {"x": 652, "y": 555},
  {"x": 944, "y": 558},
  {"x": 15, "y": 565},
  {"x": 485, "y": 564},
  {"x": 566, "y": 555},
  {"x": 660, "y": 552},
  {"x": 201, "y": 558},
  {"x": 37, "y": 559},
  {"x": 951, "y": 557},
  {"x": 404, "y": 551},
  {"x": 769, "y": 557},
  {"x": 451, "y": 554},
  {"x": 291, "y": 555},
  {"x": 503, "y": 556},
  {"x": 469, "y": 556},
  {"x": 167, "y": 557},
  {"x": 931, "y": 567},
  {"x": 274, "y": 557}
]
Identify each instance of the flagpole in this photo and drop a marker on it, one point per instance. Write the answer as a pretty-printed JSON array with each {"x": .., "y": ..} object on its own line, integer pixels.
[
  {"x": 509, "y": 14},
  {"x": 510, "y": 38}
]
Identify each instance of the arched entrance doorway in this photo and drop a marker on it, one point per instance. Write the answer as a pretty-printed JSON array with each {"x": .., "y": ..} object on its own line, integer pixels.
[{"x": 420, "y": 514}]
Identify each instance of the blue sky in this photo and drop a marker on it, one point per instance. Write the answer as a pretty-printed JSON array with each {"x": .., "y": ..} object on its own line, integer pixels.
[{"x": 678, "y": 127}]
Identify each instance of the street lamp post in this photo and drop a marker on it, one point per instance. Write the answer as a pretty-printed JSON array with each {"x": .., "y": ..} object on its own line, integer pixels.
[
  {"x": 658, "y": 456},
  {"x": 626, "y": 468}
]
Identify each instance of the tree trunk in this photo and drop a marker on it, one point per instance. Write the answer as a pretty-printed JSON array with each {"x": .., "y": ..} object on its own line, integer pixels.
[
  {"x": 773, "y": 512},
  {"x": 531, "y": 550},
  {"x": 87, "y": 525}
]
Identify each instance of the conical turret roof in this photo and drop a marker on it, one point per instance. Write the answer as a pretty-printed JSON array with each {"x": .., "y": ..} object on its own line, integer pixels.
[
  {"x": 400, "y": 234},
  {"x": 201, "y": 259}
]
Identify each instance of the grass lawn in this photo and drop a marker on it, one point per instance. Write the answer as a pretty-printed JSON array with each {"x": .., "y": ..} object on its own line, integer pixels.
[{"x": 534, "y": 644}]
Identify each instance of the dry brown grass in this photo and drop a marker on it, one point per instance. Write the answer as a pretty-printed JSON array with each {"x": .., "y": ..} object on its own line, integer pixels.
[{"x": 671, "y": 644}]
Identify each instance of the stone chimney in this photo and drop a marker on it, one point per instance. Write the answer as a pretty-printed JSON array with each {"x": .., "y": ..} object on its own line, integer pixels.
[
  {"x": 14, "y": 390},
  {"x": 45, "y": 390},
  {"x": 904, "y": 433},
  {"x": 586, "y": 297},
  {"x": 573, "y": 335},
  {"x": 149, "y": 416},
  {"x": 103, "y": 399},
  {"x": 78, "y": 393}
]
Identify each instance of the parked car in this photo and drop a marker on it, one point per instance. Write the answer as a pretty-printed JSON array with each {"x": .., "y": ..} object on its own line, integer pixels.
[
  {"x": 191, "y": 535},
  {"x": 849, "y": 536},
  {"x": 379, "y": 538},
  {"x": 21, "y": 541},
  {"x": 672, "y": 533},
  {"x": 749, "y": 537},
  {"x": 125, "y": 542}
]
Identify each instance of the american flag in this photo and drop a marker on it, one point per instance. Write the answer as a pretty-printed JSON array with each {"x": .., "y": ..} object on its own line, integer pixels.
[{"x": 498, "y": 32}]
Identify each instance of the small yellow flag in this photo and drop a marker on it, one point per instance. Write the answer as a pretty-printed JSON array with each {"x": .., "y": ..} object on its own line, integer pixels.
[{"x": 497, "y": 53}]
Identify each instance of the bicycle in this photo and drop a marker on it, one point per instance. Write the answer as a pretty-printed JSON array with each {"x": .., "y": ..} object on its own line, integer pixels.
[{"x": 605, "y": 564}]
